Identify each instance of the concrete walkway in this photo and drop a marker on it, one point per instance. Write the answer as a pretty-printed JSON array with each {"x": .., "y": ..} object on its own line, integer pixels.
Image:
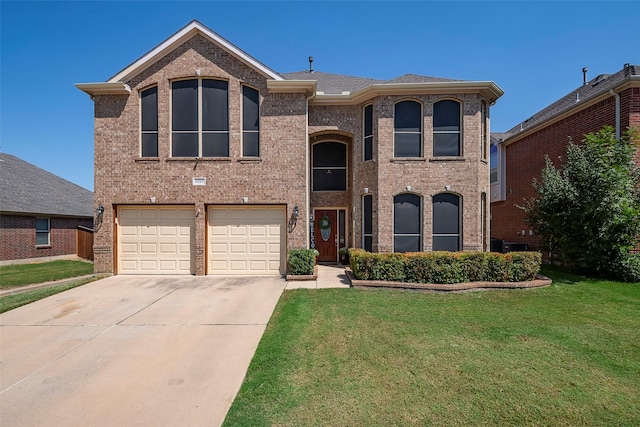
[{"x": 329, "y": 276}]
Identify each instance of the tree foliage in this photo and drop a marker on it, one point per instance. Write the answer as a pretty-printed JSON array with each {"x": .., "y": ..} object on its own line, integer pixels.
[{"x": 588, "y": 209}]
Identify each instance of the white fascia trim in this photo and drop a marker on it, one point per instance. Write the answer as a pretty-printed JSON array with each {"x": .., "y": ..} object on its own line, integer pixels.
[
  {"x": 115, "y": 88},
  {"x": 489, "y": 90},
  {"x": 292, "y": 86},
  {"x": 193, "y": 28}
]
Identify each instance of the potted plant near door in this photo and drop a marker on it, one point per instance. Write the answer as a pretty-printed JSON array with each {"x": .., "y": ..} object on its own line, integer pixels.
[{"x": 343, "y": 253}]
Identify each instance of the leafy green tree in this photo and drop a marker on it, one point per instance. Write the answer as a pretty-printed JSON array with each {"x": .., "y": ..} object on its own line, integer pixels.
[{"x": 588, "y": 210}]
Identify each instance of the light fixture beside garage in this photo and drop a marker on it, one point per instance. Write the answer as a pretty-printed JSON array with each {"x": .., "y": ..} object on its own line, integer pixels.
[{"x": 245, "y": 200}]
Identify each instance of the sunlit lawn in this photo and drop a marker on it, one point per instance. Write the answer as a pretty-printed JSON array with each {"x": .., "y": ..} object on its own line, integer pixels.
[
  {"x": 568, "y": 354},
  {"x": 25, "y": 274}
]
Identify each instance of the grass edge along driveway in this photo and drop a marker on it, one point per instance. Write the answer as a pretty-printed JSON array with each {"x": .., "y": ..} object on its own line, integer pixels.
[{"x": 568, "y": 354}]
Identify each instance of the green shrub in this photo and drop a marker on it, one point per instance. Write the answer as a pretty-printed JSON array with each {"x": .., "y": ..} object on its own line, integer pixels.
[
  {"x": 302, "y": 261},
  {"x": 445, "y": 267},
  {"x": 626, "y": 267}
]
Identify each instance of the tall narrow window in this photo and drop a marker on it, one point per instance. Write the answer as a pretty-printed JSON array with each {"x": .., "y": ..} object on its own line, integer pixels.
[
  {"x": 483, "y": 130},
  {"x": 43, "y": 228},
  {"x": 368, "y": 133},
  {"x": 330, "y": 166},
  {"x": 407, "y": 223},
  {"x": 250, "y": 122},
  {"x": 446, "y": 128},
  {"x": 407, "y": 129},
  {"x": 367, "y": 222},
  {"x": 483, "y": 218},
  {"x": 446, "y": 222},
  {"x": 149, "y": 122},
  {"x": 200, "y": 118},
  {"x": 493, "y": 163}
]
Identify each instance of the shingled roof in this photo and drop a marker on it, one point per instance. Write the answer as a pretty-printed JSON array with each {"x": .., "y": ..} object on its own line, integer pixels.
[
  {"x": 339, "y": 83},
  {"x": 28, "y": 189},
  {"x": 593, "y": 88}
]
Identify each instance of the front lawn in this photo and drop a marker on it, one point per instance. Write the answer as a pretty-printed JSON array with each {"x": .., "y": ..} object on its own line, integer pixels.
[
  {"x": 26, "y": 274},
  {"x": 568, "y": 354}
]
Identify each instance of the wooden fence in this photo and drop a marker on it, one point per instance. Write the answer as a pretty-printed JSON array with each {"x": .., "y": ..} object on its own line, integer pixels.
[{"x": 85, "y": 243}]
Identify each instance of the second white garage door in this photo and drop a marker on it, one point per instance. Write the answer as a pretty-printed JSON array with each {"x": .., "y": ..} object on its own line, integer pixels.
[{"x": 246, "y": 240}]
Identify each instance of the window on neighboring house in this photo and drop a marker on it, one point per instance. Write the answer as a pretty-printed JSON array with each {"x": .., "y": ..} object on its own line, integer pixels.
[
  {"x": 250, "y": 122},
  {"x": 407, "y": 223},
  {"x": 329, "y": 166},
  {"x": 367, "y": 222},
  {"x": 446, "y": 222},
  {"x": 43, "y": 229},
  {"x": 493, "y": 162},
  {"x": 368, "y": 133},
  {"x": 200, "y": 118},
  {"x": 149, "y": 122},
  {"x": 483, "y": 130},
  {"x": 407, "y": 129},
  {"x": 446, "y": 128}
]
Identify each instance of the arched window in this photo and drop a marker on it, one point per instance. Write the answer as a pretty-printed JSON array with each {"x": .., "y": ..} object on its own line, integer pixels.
[
  {"x": 407, "y": 129},
  {"x": 446, "y": 222},
  {"x": 367, "y": 140},
  {"x": 149, "y": 121},
  {"x": 250, "y": 122},
  {"x": 329, "y": 166},
  {"x": 407, "y": 223},
  {"x": 446, "y": 128}
]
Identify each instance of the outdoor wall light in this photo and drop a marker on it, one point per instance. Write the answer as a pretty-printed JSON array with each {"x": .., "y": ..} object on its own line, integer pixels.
[
  {"x": 447, "y": 187},
  {"x": 296, "y": 211},
  {"x": 100, "y": 210}
]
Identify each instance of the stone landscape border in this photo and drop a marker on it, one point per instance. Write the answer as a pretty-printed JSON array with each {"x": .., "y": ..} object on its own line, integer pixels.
[
  {"x": 295, "y": 277},
  {"x": 539, "y": 282}
]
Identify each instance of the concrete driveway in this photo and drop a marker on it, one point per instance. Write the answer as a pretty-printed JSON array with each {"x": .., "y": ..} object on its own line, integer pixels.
[{"x": 133, "y": 351}]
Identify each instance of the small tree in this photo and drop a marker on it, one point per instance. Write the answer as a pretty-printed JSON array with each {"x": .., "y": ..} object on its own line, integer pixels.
[{"x": 588, "y": 211}]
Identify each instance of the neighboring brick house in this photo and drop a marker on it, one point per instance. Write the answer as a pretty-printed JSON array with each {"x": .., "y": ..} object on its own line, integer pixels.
[
  {"x": 39, "y": 212},
  {"x": 518, "y": 156},
  {"x": 209, "y": 162}
]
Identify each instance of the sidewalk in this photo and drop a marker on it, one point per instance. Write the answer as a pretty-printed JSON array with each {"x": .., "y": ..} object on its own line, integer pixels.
[{"x": 329, "y": 276}]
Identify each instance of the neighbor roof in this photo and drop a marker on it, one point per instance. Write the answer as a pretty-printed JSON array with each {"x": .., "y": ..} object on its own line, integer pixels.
[
  {"x": 28, "y": 189},
  {"x": 578, "y": 98}
]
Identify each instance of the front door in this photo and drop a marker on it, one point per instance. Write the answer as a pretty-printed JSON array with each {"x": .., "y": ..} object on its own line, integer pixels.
[{"x": 329, "y": 233}]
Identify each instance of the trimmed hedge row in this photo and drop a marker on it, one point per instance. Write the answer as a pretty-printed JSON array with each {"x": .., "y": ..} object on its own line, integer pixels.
[
  {"x": 302, "y": 261},
  {"x": 445, "y": 267}
]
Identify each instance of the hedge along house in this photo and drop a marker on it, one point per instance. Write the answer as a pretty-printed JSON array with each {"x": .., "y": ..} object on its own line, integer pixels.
[
  {"x": 209, "y": 162},
  {"x": 518, "y": 155}
]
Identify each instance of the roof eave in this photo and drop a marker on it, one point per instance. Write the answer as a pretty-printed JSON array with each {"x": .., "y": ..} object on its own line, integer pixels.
[
  {"x": 190, "y": 30},
  {"x": 308, "y": 87},
  {"x": 108, "y": 88}
]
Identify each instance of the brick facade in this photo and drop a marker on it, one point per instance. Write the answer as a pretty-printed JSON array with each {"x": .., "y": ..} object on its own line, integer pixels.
[
  {"x": 18, "y": 236},
  {"x": 289, "y": 126},
  {"x": 525, "y": 157}
]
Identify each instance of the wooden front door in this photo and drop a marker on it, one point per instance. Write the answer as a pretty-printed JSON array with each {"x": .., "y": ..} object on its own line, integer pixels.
[{"x": 326, "y": 235}]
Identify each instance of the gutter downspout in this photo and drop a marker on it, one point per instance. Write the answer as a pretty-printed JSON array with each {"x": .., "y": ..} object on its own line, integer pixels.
[
  {"x": 306, "y": 172},
  {"x": 617, "y": 96}
]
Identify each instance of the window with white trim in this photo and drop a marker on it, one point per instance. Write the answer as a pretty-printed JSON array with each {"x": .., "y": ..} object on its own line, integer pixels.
[
  {"x": 367, "y": 142},
  {"x": 367, "y": 222},
  {"x": 149, "y": 122},
  {"x": 407, "y": 134},
  {"x": 446, "y": 128},
  {"x": 493, "y": 162},
  {"x": 250, "y": 122},
  {"x": 407, "y": 223},
  {"x": 43, "y": 231},
  {"x": 200, "y": 118},
  {"x": 446, "y": 222}
]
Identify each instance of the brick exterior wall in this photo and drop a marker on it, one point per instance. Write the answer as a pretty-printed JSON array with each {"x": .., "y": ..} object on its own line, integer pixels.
[
  {"x": 525, "y": 159},
  {"x": 18, "y": 236},
  {"x": 279, "y": 175}
]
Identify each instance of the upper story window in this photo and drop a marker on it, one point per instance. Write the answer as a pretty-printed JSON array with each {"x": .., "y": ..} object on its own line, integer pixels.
[
  {"x": 250, "y": 122},
  {"x": 446, "y": 128},
  {"x": 484, "y": 136},
  {"x": 407, "y": 223},
  {"x": 407, "y": 129},
  {"x": 329, "y": 166},
  {"x": 367, "y": 142},
  {"x": 493, "y": 161},
  {"x": 199, "y": 118},
  {"x": 43, "y": 228},
  {"x": 149, "y": 122}
]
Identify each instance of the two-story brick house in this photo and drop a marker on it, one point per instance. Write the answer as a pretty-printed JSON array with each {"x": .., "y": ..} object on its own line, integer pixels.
[
  {"x": 209, "y": 162},
  {"x": 518, "y": 155}
]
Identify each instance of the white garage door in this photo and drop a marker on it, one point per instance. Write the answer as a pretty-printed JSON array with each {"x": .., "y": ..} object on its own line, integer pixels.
[
  {"x": 156, "y": 240},
  {"x": 246, "y": 240}
]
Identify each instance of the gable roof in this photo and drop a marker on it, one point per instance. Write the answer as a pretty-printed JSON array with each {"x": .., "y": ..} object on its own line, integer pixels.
[
  {"x": 28, "y": 189},
  {"x": 592, "y": 91},
  {"x": 118, "y": 83}
]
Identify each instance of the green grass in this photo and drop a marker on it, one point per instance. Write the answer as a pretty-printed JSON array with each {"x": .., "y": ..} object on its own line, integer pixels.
[
  {"x": 568, "y": 354},
  {"x": 26, "y": 274},
  {"x": 10, "y": 302}
]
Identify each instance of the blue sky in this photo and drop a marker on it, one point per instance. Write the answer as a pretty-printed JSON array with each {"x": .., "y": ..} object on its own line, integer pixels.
[{"x": 534, "y": 51}]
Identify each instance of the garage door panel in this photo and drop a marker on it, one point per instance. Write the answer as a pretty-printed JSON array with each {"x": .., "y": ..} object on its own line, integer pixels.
[
  {"x": 246, "y": 240},
  {"x": 156, "y": 239}
]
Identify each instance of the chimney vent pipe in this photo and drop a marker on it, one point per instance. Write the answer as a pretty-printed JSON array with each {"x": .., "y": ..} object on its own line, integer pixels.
[{"x": 584, "y": 75}]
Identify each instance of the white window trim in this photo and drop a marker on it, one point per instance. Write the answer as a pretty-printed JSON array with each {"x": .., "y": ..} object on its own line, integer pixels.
[
  {"x": 48, "y": 231},
  {"x": 497, "y": 190}
]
